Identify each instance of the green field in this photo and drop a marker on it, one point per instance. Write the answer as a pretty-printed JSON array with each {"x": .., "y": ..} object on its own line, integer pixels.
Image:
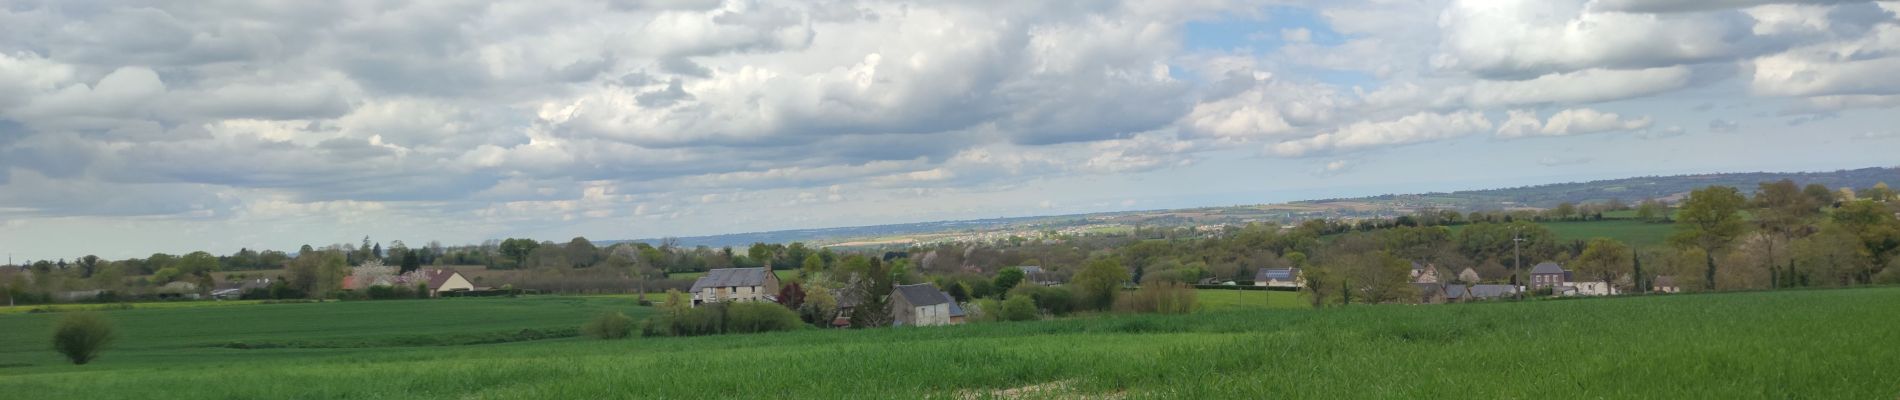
[
  {"x": 1215, "y": 300},
  {"x": 178, "y": 335},
  {"x": 1801, "y": 344}
]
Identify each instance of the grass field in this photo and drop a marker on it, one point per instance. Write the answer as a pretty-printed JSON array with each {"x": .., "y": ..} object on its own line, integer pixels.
[
  {"x": 1214, "y": 300},
  {"x": 189, "y": 335},
  {"x": 1802, "y": 344}
]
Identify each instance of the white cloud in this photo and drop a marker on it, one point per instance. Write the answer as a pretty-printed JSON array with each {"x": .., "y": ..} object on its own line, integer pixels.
[
  {"x": 1665, "y": 6},
  {"x": 1576, "y": 121},
  {"x": 1415, "y": 128},
  {"x": 1524, "y": 38}
]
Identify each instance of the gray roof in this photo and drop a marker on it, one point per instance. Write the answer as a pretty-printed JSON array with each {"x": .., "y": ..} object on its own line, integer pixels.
[
  {"x": 922, "y": 294},
  {"x": 1276, "y": 274},
  {"x": 1030, "y": 269},
  {"x": 956, "y": 310},
  {"x": 1457, "y": 291},
  {"x": 1547, "y": 268},
  {"x": 1490, "y": 291},
  {"x": 1417, "y": 266},
  {"x": 1664, "y": 280},
  {"x": 731, "y": 277}
]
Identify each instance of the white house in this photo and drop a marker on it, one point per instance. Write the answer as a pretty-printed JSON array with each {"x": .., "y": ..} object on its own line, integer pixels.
[
  {"x": 1594, "y": 288},
  {"x": 735, "y": 284},
  {"x": 1279, "y": 277},
  {"x": 923, "y": 305},
  {"x": 442, "y": 280}
]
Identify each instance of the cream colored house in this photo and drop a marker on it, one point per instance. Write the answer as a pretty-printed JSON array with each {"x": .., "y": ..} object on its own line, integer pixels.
[
  {"x": 923, "y": 305},
  {"x": 735, "y": 284},
  {"x": 1424, "y": 273},
  {"x": 1279, "y": 277},
  {"x": 442, "y": 280},
  {"x": 1594, "y": 288}
]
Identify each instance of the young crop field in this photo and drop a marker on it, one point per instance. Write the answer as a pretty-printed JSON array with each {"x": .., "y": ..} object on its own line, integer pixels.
[
  {"x": 189, "y": 335},
  {"x": 1791, "y": 344},
  {"x": 1214, "y": 300}
]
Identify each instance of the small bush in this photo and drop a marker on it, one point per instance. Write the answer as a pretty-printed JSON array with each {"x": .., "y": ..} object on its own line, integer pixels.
[
  {"x": 610, "y": 325},
  {"x": 1019, "y": 308},
  {"x": 721, "y": 318},
  {"x": 760, "y": 317},
  {"x": 81, "y": 336},
  {"x": 1055, "y": 300}
]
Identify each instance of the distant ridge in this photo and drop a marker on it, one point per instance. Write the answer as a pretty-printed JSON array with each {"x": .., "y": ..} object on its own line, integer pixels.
[{"x": 1629, "y": 190}]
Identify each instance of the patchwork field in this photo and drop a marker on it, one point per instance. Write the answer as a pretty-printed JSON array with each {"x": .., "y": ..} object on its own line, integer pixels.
[{"x": 1799, "y": 344}]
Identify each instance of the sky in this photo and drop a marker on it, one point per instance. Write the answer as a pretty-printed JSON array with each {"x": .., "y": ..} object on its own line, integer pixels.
[{"x": 133, "y": 127}]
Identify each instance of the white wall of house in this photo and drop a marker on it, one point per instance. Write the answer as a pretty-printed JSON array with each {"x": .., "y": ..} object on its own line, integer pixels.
[
  {"x": 932, "y": 315},
  {"x": 455, "y": 282},
  {"x": 1598, "y": 288}
]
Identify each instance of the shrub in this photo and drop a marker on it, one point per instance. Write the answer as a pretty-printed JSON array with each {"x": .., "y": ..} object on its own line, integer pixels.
[
  {"x": 760, "y": 317},
  {"x": 81, "y": 336},
  {"x": 1019, "y": 308},
  {"x": 721, "y": 318},
  {"x": 609, "y": 325},
  {"x": 1164, "y": 298},
  {"x": 1055, "y": 300}
]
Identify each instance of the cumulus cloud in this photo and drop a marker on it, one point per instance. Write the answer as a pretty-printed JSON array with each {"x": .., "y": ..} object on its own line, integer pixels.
[
  {"x": 685, "y": 115},
  {"x": 1666, "y": 6},
  {"x": 1415, "y": 128},
  {"x": 1576, "y": 121},
  {"x": 1528, "y": 38}
]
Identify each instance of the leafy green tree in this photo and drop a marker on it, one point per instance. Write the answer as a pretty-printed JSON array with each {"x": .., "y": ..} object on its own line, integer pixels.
[
  {"x": 1007, "y": 279},
  {"x": 872, "y": 282},
  {"x": 581, "y": 253},
  {"x": 1879, "y": 193},
  {"x": 200, "y": 266},
  {"x": 1710, "y": 220},
  {"x": 1648, "y": 210},
  {"x": 1098, "y": 283},
  {"x": 81, "y": 336},
  {"x": 812, "y": 265},
  {"x": 1782, "y": 213},
  {"x": 1877, "y": 228},
  {"x": 516, "y": 249},
  {"x": 1566, "y": 210},
  {"x": 1818, "y": 194},
  {"x": 1835, "y": 256},
  {"x": 410, "y": 262},
  {"x": 1018, "y": 308},
  {"x": 1603, "y": 259}
]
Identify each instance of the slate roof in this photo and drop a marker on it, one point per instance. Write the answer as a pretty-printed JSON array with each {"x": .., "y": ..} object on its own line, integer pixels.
[
  {"x": 956, "y": 310},
  {"x": 438, "y": 277},
  {"x": 1030, "y": 269},
  {"x": 1457, "y": 292},
  {"x": 922, "y": 294},
  {"x": 1547, "y": 268},
  {"x": 1276, "y": 274},
  {"x": 1492, "y": 291},
  {"x": 1664, "y": 281},
  {"x": 731, "y": 277}
]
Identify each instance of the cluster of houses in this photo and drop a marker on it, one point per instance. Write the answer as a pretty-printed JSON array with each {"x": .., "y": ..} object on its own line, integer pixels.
[
  {"x": 1434, "y": 289},
  {"x": 911, "y": 305}
]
